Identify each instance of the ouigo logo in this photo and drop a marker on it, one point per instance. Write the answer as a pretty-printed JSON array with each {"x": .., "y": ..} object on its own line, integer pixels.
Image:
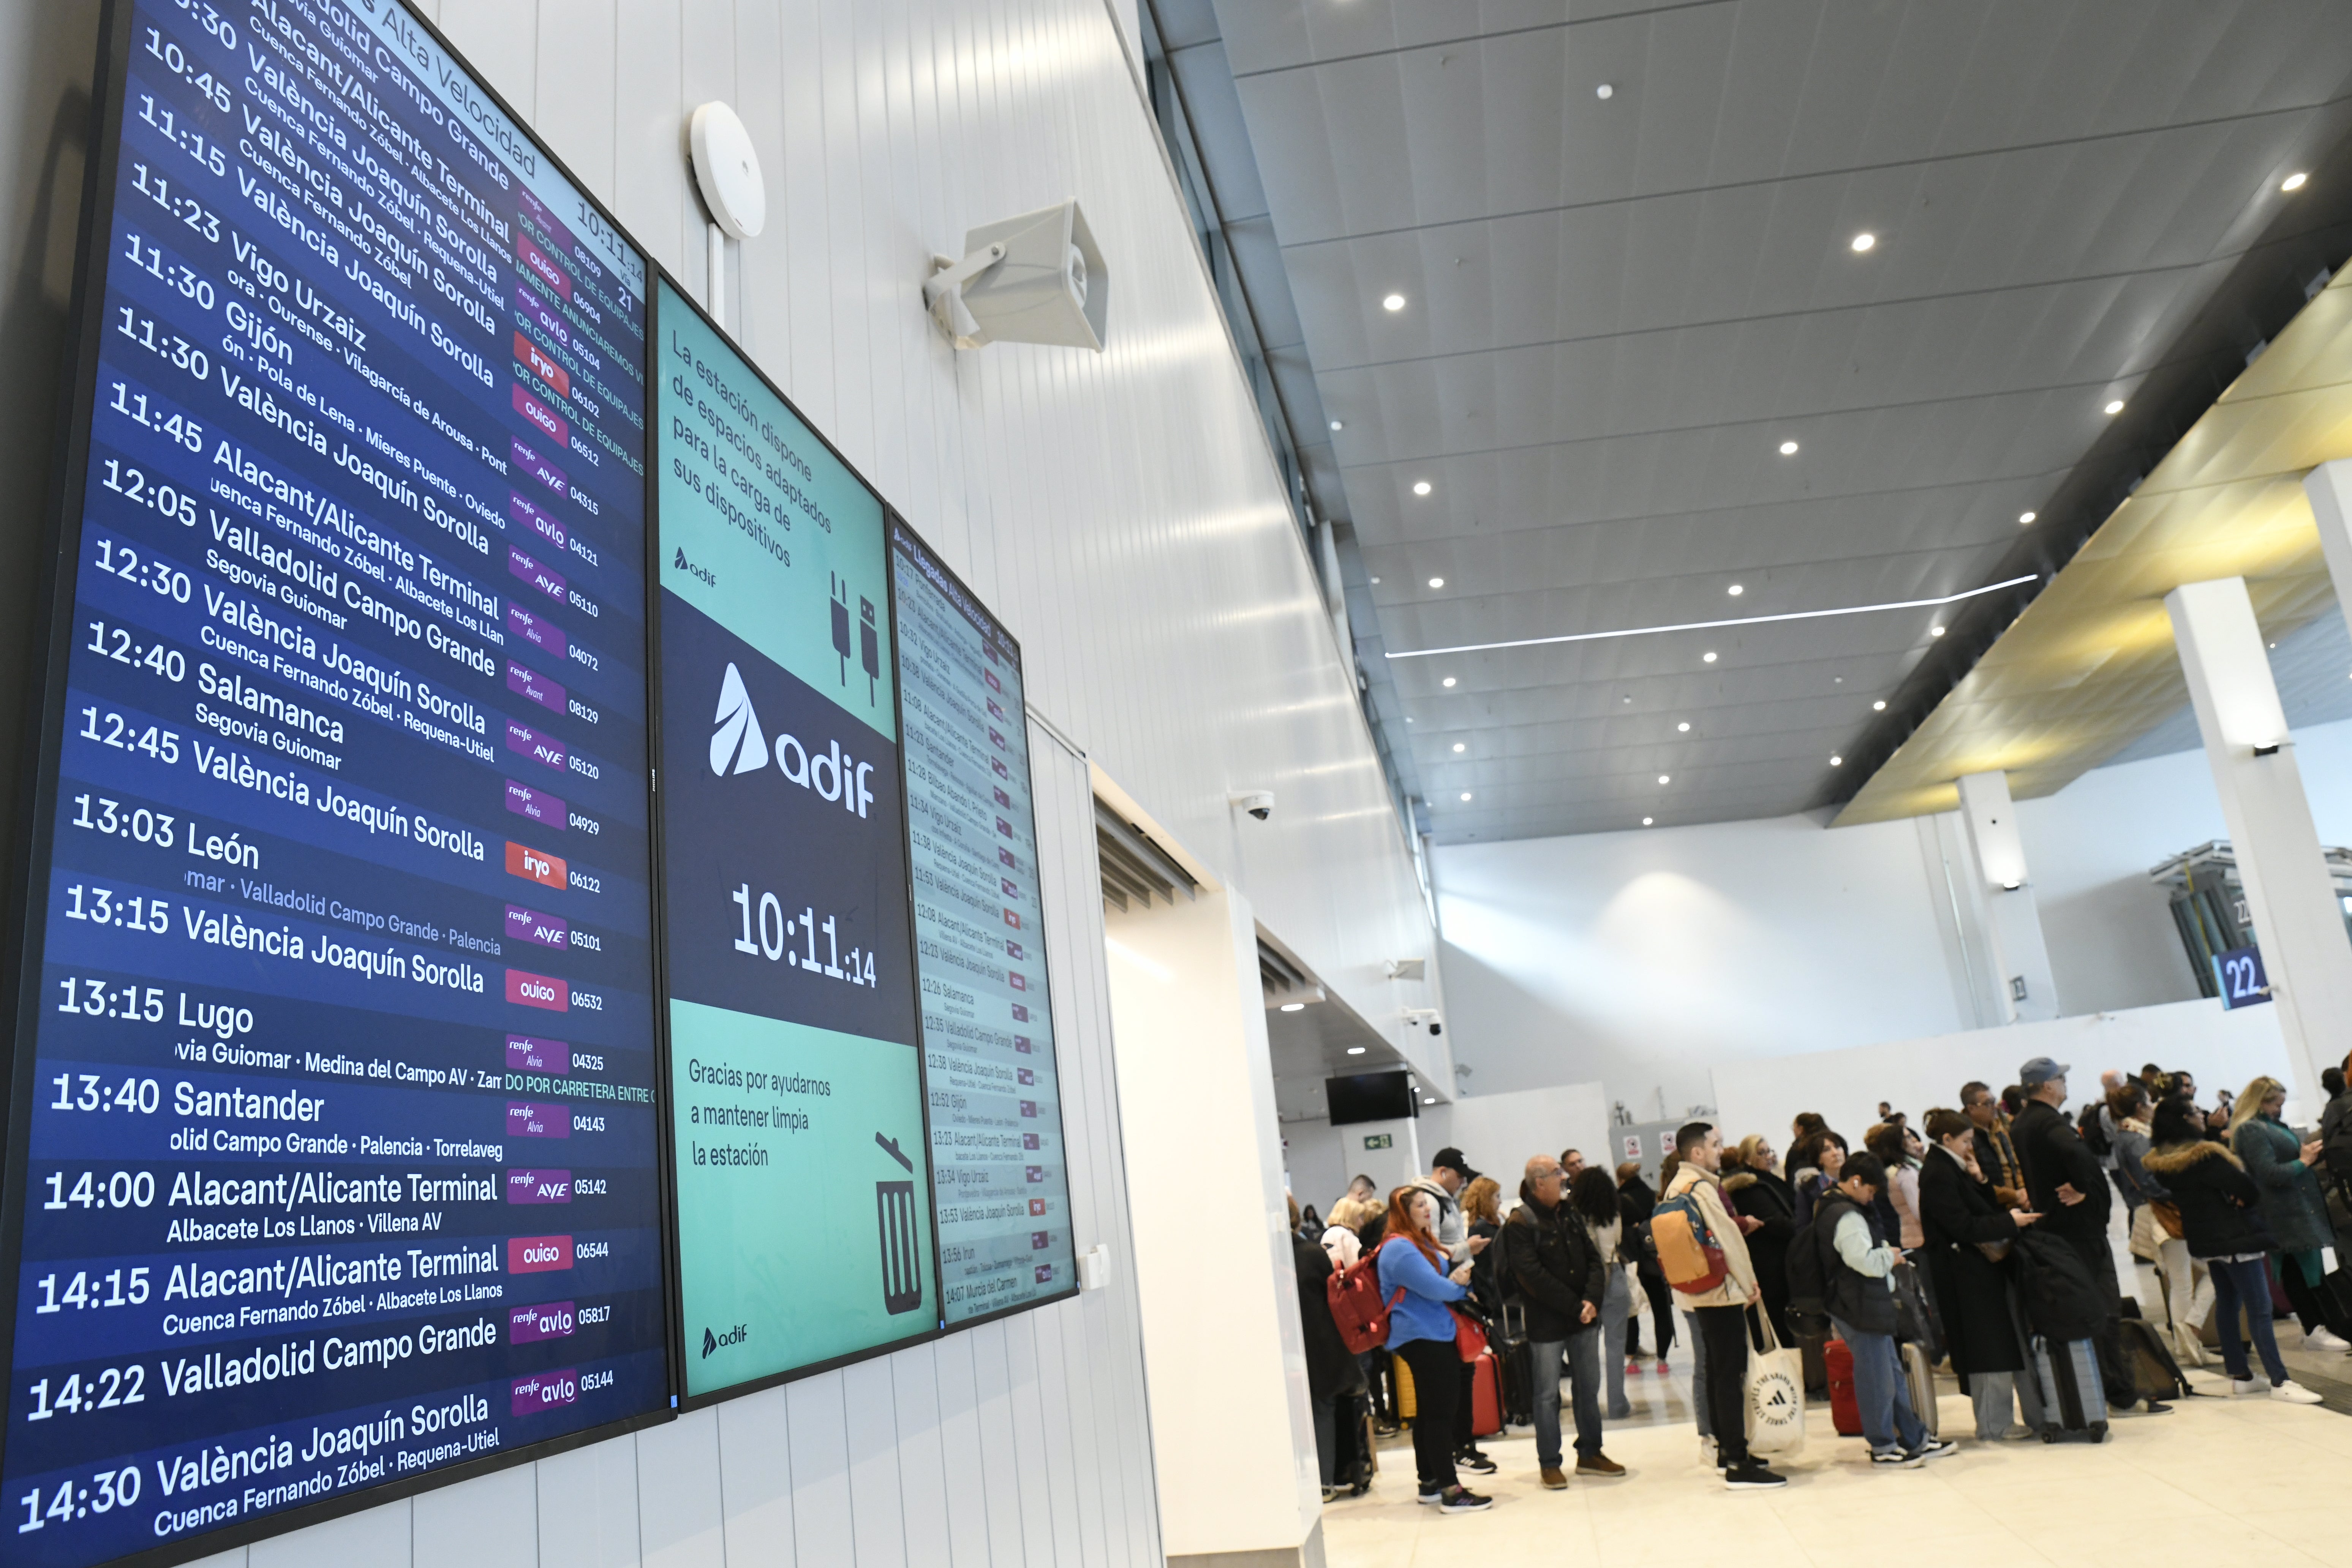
[{"x": 738, "y": 746}]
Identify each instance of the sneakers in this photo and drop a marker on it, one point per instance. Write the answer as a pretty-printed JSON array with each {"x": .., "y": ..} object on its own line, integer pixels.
[
  {"x": 1707, "y": 1453},
  {"x": 1936, "y": 1448},
  {"x": 1663, "y": 1368},
  {"x": 2287, "y": 1393},
  {"x": 1555, "y": 1479},
  {"x": 1633, "y": 1369},
  {"x": 1751, "y": 1476},
  {"x": 1430, "y": 1498},
  {"x": 1461, "y": 1499},
  {"x": 2245, "y": 1385},
  {"x": 1898, "y": 1459},
  {"x": 1473, "y": 1460},
  {"x": 1598, "y": 1465},
  {"x": 2325, "y": 1340}
]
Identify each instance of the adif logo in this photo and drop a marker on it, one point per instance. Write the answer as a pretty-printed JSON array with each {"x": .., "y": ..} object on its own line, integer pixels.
[
  {"x": 738, "y": 746},
  {"x": 734, "y": 1336}
]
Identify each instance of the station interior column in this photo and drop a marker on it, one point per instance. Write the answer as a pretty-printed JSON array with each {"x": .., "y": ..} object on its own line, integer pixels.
[{"x": 2028, "y": 990}]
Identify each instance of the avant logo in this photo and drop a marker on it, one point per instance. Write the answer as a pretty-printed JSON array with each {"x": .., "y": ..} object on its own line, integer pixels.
[
  {"x": 738, "y": 747},
  {"x": 734, "y": 1336}
]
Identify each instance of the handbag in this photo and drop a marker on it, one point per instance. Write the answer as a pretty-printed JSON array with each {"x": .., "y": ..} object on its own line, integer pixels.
[
  {"x": 2168, "y": 1214},
  {"x": 1469, "y": 1334},
  {"x": 1775, "y": 1391}
]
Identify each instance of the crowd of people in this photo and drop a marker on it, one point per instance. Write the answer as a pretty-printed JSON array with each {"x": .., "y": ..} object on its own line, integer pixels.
[{"x": 1981, "y": 1237}]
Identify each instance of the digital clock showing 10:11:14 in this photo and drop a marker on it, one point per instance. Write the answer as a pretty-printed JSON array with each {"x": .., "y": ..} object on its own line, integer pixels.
[{"x": 773, "y": 935}]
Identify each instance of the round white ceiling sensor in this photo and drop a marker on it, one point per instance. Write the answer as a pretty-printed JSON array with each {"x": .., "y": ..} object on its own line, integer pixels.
[
  {"x": 1604, "y": 90},
  {"x": 727, "y": 171}
]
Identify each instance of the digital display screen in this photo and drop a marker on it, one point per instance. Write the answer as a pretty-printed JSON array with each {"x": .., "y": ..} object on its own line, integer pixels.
[
  {"x": 1001, "y": 1197},
  {"x": 796, "y": 1095},
  {"x": 340, "y": 1164}
]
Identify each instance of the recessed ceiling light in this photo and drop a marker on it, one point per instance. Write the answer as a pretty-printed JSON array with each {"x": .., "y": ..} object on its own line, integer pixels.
[
  {"x": 1788, "y": 448},
  {"x": 1864, "y": 241},
  {"x": 1421, "y": 488},
  {"x": 1338, "y": 424},
  {"x": 1646, "y": 821},
  {"x": 1935, "y": 631},
  {"x": 1293, "y": 1006},
  {"x": 1627, "y": 701},
  {"x": 1683, "y": 728},
  {"x": 2026, "y": 516},
  {"x": 1437, "y": 582},
  {"x": 1735, "y": 589},
  {"x": 1376, "y": 582},
  {"x": 1460, "y": 747},
  {"x": 1393, "y": 302},
  {"x": 1449, "y": 680},
  {"x": 1428, "y": 1099},
  {"x": 1665, "y": 778},
  {"x": 2293, "y": 182},
  {"x": 1878, "y": 707},
  {"x": 1707, "y": 659},
  {"x": 1355, "y": 1051},
  {"x": 1605, "y": 91},
  {"x": 1466, "y": 795},
  {"x": 1837, "y": 761},
  {"x": 2116, "y": 406}
]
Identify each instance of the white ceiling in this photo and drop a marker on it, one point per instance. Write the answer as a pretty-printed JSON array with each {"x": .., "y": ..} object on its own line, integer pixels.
[{"x": 1617, "y": 310}]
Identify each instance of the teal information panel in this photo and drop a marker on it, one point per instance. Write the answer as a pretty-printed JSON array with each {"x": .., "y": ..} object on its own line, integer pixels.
[{"x": 795, "y": 1085}]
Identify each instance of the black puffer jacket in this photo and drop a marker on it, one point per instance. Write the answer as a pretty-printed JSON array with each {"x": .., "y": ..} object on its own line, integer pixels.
[
  {"x": 1551, "y": 1260},
  {"x": 2221, "y": 1207}
]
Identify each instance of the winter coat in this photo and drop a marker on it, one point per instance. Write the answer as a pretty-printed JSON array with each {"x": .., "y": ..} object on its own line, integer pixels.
[
  {"x": 2221, "y": 1207},
  {"x": 1634, "y": 1202},
  {"x": 1488, "y": 1286},
  {"x": 2293, "y": 1203},
  {"x": 1330, "y": 1369},
  {"x": 2053, "y": 1153},
  {"x": 1551, "y": 1261},
  {"x": 1956, "y": 1212},
  {"x": 1741, "y": 1277},
  {"x": 1859, "y": 1301},
  {"x": 2062, "y": 1301},
  {"x": 2132, "y": 1179},
  {"x": 1764, "y": 1195}
]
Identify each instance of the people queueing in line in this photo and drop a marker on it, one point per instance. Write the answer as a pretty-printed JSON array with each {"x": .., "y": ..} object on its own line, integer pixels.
[
  {"x": 2128, "y": 1107},
  {"x": 1416, "y": 1272},
  {"x": 1897, "y": 1206},
  {"x": 1571, "y": 1163},
  {"x": 2293, "y": 1207},
  {"x": 1482, "y": 1220},
  {"x": 1857, "y": 1272},
  {"x": 1967, "y": 1233},
  {"x": 2222, "y": 1224},
  {"x": 1636, "y": 1200},
  {"x": 1996, "y": 1153},
  {"x": 1758, "y": 1192},
  {"x": 1449, "y": 1175},
  {"x": 1593, "y": 1198},
  {"x": 1563, "y": 1281},
  {"x": 1818, "y": 1160},
  {"x": 2335, "y": 1128},
  {"x": 1720, "y": 1315},
  {"x": 1331, "y": 1372}
]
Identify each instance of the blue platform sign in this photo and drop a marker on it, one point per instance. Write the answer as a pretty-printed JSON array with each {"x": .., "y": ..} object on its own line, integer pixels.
[{"x": 2240, "y": 977}]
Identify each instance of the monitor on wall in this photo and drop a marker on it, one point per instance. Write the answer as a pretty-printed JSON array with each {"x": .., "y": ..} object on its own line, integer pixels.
[{"x": 1370, "y": 1097}]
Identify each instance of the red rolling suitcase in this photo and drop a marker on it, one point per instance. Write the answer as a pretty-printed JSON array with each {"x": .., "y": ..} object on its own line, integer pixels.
[
  {"x": 1486, "y": 1395},
  {"x": 1845, "y": 1410}
]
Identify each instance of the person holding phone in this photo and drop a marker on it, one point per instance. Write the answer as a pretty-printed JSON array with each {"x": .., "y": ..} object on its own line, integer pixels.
[{"x": 1421, "y": 1334}]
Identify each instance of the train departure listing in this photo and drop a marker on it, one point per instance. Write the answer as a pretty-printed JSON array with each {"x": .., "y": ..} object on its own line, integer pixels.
[
  {"x": 342, "y": 1156},
  {"x": 1000, "y": 1182}
]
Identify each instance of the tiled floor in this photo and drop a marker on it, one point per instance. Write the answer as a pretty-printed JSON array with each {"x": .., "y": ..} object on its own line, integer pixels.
[{"x": 2264, "y": 1475}]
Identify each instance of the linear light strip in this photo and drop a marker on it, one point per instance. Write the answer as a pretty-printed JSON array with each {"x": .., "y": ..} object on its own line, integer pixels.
[{"x": 1710, "y": 625}]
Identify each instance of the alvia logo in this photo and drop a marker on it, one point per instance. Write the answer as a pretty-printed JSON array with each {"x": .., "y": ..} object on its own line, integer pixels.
[
  {"x": 739, "y": 746},
  {"x": 734, "y": 1336}
]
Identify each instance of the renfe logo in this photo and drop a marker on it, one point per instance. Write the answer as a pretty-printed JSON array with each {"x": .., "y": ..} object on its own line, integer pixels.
[
  {"x": 738, "y": 747},
  {"x": 538, "y": 1254},
  {"x": 547, "y": 1321},
  {"x": 545, "y": 1391},
  {"x": 734, "y": 1336},
  {"x": 537, "y": 1187}
]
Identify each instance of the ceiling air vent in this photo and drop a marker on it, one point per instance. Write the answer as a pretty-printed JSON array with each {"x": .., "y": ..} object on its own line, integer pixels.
[{"x": 1134, "y": 869}]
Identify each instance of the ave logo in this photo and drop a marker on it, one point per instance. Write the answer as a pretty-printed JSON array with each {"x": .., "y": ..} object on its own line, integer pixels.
[{"x": 738, "y": 746}]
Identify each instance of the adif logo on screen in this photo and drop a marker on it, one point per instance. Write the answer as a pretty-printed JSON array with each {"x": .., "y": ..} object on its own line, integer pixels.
[{"x": 738, "y": 746}]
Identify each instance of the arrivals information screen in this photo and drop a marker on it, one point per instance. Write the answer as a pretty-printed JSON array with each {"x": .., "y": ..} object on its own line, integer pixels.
[
  {"x": 796, "y": 1095},
  {"x": 1001, "y": 1192},
  {"x": 340, "y": 1148}
]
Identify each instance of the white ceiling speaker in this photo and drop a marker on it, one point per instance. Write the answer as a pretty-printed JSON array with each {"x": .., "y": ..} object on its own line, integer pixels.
[
  {"x": 1036, "y": 278},
  {"x": 727, "y": 171}
]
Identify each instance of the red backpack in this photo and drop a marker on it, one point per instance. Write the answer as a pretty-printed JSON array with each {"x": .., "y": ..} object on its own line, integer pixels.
[{"x": 1362, "y": 1317}]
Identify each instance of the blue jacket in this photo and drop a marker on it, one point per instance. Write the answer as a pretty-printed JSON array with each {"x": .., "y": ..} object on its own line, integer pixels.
[{"x": 1420, "y": 1314}]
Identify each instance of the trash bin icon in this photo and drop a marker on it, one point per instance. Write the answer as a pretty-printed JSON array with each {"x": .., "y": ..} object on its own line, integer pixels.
[{"x": 893, "y": 1214}]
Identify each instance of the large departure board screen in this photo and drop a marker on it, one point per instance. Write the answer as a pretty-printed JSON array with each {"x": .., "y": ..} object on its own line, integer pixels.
[
  {"x": 796, "y": 1100},
  {"x": 334, "y": 1148},
  {"x": 1003, "y": 1194}
]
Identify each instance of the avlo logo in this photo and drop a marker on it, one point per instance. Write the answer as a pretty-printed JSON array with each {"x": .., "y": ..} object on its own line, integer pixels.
[
  {"x": 734, "y": 1336},
  {"x": 738, "y": 746}
]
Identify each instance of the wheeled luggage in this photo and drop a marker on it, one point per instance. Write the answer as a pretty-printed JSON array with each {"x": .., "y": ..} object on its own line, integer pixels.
[
  {"x": 1845, "y": 1409},
  {"x": 1353, "y": 1464},
  {"x": 2073, "y": 1401},
  {"x": 1486, "y": 1395},
  {"x": 1407, "y": 1406},
  {"x": 1518, "y": 1369},
  {"x": 1919, "y": 1379}
]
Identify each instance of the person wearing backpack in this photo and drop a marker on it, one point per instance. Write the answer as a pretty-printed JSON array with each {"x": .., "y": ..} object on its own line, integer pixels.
[
  {"x": 1562, "y": 1280},
  {"x": 1414, "y": 1281},
  {"x": 2335, "y": 1127},
  {"x": 1858, "y": 1290},
  {"x": 1718, "y": 1299}
]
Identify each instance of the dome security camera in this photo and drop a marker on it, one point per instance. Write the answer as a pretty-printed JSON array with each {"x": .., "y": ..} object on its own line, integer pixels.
[
  {"x": 1036, "y": 278},
  {"x": 1258, "y": 803}
]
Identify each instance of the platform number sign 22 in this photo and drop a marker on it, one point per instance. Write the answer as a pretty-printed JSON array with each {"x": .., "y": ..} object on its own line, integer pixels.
[{"x": 2240, "y": 975}]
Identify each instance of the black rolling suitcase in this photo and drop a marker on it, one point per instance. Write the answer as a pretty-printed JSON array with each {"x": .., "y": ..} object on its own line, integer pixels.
[
  {"x": 1518, "y": 1369},
  {"x": 1352, "y": 1465},
  {"x": 2073, "y": 1401}
]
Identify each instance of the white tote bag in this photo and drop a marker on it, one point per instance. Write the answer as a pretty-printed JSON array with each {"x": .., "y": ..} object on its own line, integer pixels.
[{"x": 1776, "y": 1393}]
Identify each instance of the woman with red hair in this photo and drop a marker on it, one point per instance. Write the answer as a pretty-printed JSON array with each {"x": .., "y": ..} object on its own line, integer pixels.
[{"x": 1414, "y": 1274}]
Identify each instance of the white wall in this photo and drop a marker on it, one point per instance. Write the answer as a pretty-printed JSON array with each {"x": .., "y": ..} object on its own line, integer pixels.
[
  {"x": 1121, "y": 512},
  {"x": 1499, "y": 1133}
]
